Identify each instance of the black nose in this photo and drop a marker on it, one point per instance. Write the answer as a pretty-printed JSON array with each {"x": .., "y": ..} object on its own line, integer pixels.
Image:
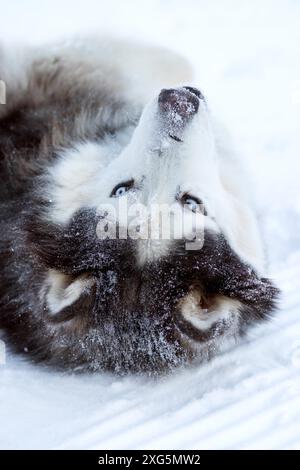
[{"x": 182, "y": 101}]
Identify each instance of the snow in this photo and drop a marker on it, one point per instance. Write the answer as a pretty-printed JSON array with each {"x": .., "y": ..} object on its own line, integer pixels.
[{"x": 246, "y": 56}]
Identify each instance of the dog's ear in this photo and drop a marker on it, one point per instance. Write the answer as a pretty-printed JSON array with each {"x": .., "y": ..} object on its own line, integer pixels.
[{"x": 62, "y": 291}]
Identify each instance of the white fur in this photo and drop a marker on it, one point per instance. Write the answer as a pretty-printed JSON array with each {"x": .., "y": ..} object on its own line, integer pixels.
[
  {"x": 62, "y": 293},
  {"x": 223, "y": 309}
]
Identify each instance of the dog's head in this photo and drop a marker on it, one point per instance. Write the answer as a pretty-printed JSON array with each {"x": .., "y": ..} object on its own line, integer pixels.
[{"x": 149, "y": 258}]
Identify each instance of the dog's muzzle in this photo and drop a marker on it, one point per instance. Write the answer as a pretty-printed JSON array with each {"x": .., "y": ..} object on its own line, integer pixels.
[{"x": 177, "y": 107}]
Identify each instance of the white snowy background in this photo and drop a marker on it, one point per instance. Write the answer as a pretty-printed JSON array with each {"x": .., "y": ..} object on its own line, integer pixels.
[{"x": 246, "y": 55}]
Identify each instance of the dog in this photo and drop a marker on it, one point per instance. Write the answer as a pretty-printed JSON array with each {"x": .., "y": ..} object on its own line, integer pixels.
[{"x": 88, "y": 126}]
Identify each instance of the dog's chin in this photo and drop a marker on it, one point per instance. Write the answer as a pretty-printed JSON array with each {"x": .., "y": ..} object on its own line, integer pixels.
[{"x": 201, "y": 318}]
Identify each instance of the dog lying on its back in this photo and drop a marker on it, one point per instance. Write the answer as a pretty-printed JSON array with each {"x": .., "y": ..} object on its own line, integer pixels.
[{"x": 77, "y": 139}]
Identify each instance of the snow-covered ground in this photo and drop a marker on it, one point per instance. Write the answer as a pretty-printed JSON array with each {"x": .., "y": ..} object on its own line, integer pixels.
[{"x": 247, "y": 58}]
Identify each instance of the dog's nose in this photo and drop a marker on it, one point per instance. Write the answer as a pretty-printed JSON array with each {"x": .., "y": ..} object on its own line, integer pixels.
[{"x": 183, "y": 101}]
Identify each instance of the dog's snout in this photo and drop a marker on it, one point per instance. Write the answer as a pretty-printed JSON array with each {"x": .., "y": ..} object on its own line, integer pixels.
[{"x": 182, "y": 101}]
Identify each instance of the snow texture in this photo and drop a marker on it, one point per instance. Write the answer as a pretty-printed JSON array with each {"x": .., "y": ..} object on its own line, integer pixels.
[{"x": 246, "y": 56}]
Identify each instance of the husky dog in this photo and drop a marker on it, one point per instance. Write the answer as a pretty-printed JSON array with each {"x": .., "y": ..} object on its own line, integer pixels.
[{"x": 77, "y": 137}]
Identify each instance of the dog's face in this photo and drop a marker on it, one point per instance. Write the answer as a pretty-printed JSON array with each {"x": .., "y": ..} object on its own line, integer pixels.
[{"x": 145, "y": 265}]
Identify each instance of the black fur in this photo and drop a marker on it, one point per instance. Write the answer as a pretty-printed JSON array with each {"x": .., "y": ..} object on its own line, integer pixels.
[{"x": 129, "y": 319}]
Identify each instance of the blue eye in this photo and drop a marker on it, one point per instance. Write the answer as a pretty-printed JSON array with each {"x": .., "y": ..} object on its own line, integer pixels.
[
  {"x": 193, "y": 203},
  {"x": 122, "y": 189}
]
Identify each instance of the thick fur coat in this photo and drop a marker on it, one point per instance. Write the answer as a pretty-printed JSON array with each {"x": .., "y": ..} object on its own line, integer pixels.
[{"x": 84, "y": 126}]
